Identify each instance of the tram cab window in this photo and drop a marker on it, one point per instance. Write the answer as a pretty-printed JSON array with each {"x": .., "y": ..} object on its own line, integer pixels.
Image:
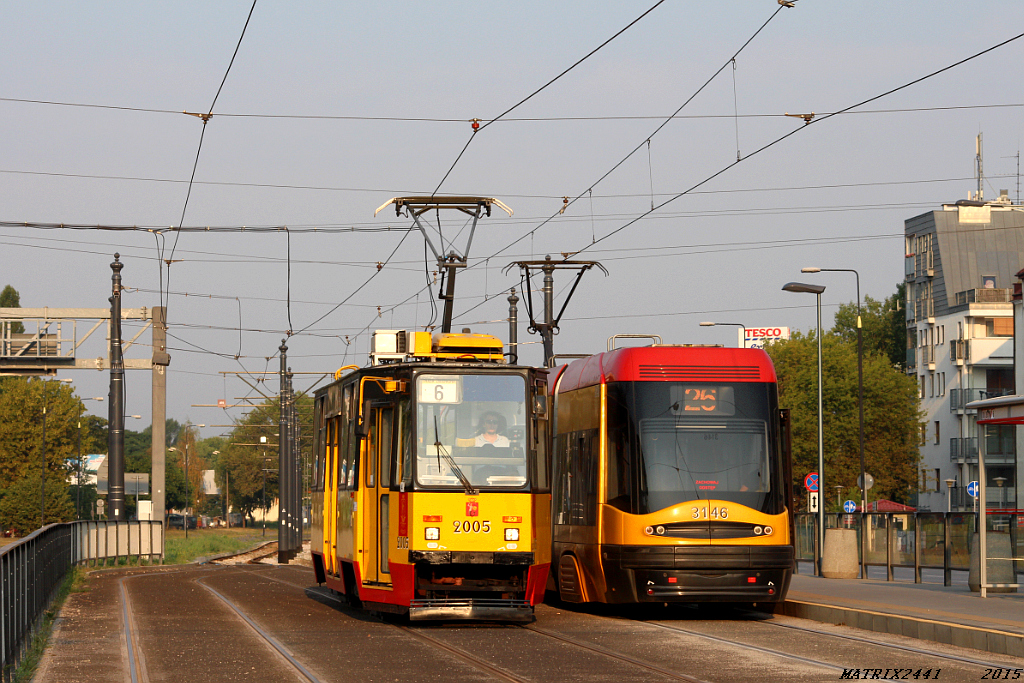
[
  {"x": 676, "y": 443},
  {"x": 471, "y": 428}
]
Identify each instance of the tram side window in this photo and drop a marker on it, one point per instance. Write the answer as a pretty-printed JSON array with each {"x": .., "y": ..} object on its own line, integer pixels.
[
  {"x": 319, "y": 448},
  {"x": 541, "y": 461},
  {"x": 583, "y": 478},
  {"x": 405, "y": 445},
  {"x": 386, "y": 451},
  {"x": 621, "y": 473},
  {"x": 341, "y": 457},
  {"x": 560, "y": 494}
]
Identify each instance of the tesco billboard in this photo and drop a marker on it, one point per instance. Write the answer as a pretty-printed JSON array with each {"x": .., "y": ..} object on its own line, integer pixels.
[{"x": 757, "y": 336}]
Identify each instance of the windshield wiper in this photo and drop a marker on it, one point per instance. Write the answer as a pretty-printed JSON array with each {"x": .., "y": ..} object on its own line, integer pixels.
[{"x": 442, "y": 452}]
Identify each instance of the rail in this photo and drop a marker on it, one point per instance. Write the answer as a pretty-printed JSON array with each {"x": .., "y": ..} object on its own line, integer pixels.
[
  {"x": 33, "y": 569},
  {"x": 914, "y": 540}
]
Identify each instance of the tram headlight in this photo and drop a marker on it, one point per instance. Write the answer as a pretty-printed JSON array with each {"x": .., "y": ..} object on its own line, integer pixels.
[
  {"x": 511, "y": 534},
  {"x": 757, "y": 531},
  {"x": 433, "y": 533},
  {"x": 649, "y": 531},
  {"x": 660, "y": 530},
  {"x": 767, "y": 531}
]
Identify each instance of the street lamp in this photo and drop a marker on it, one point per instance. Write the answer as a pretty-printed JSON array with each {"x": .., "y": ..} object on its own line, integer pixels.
[
  {"x": 860, "y": 376},
  {"x": 949, "y": 494},
  {"x": 78, "y": 492},
  {"x": 42, "y": 479},
  {"x": 1000, "y": 481},
  {"x": 739, "y": 325},
  {"x": 802, "y": 288},
  {"x": 263, "y": 440},
  {"x": 839, "y": 500}
]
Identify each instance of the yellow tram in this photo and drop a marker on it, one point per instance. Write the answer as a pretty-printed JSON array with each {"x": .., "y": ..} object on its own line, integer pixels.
[{"x": 430, "y": 480}]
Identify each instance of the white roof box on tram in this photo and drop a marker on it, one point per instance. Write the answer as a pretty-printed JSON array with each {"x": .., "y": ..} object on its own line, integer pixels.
[{"x": 396, "y": 346}]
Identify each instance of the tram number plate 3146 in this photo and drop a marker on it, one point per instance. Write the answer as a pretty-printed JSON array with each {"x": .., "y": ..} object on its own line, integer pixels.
[
  {"x": 707, "y": 512},
  {"x": 474, "y": 527}
]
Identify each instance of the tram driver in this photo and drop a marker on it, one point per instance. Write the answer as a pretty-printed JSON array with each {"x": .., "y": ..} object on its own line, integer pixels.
[{"x": 490, "y": 430}]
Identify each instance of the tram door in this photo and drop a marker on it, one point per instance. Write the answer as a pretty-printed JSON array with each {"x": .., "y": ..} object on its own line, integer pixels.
[
  {"x": 331, "y": 497},
  {"x": 378, "y": 482}
]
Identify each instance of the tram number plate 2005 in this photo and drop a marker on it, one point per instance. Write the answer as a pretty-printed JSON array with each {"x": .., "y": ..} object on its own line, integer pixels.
[
  {"x": 475, "y": 527},
  {"x": 708, "y": 512}
]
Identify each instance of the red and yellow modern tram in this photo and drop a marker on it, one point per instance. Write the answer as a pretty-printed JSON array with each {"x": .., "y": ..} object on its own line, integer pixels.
[
  {"x": 430, "y": 489},
  {"x": 671, "y": 477}
]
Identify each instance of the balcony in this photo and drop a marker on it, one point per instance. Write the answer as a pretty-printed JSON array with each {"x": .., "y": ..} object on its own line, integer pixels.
[
  {"x": 926, "y": 263},
  {"x": 959, "y": 398},
  {"x": 909, "y": 266},
  {"x": 925, "y": 310},
  {"x": 983, "y": 296},
  {"x": 911, "y": 359},
  {"x": 965, "y": 449},
  {"x": 991, "y": 351}
]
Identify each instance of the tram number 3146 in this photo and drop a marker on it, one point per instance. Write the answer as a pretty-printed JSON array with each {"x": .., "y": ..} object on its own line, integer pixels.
[
  {"x": 476, "y": 527},
  {"x": 710, "y": 512}
]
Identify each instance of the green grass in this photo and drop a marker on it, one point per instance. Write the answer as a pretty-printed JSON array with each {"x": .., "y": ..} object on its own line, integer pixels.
[
  {"x": 74, "y": 581},
  {"x": 206, "y": 542}
]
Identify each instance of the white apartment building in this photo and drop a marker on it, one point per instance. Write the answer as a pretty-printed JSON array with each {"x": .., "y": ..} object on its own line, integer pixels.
[{"x": 961, "y": 267}]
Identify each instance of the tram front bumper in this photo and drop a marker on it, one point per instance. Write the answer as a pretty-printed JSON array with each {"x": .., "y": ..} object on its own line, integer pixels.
[
  {"x": 517, "y": 611},
  {"x": 698, "y": 573}
]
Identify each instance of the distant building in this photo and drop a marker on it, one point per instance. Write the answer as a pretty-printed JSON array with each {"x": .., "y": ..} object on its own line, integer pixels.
[{"x": 961, "y": 263}]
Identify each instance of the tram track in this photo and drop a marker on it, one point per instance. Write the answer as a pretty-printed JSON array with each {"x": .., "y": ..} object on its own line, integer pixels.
[{"x": 137, "y": 669}]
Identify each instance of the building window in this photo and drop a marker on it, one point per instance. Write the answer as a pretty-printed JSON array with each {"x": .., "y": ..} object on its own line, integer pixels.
[
  {"x": 931, "y": 385},
  {"x": 942, "y": 335},
  {"x": 924, "y": 433},
  {"x": 920, "y": 394},
  {"x": 938, "y": 473},
  {"x": 936, "y": 431},
  {"x": 998, "y": 327}
]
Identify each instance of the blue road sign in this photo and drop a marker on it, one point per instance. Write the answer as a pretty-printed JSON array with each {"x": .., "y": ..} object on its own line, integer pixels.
[
  {"x": 811, "y": 482},
  {"x": 972, "y": 489},
  {"x": 849, "y": 506}
]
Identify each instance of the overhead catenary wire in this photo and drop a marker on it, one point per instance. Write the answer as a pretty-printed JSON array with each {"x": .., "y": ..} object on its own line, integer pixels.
[{"x": 805, "y": 126}]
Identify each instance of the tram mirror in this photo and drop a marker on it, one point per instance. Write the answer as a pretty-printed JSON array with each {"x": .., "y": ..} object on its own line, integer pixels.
[
  {"x": 540, "y": 404},
  {"x": 362, "y": 426}
]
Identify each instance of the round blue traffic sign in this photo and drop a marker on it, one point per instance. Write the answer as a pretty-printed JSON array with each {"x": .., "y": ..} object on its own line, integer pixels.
[
  {"x": 849, "y": 506},
  {"x": 972, "y": 489}
]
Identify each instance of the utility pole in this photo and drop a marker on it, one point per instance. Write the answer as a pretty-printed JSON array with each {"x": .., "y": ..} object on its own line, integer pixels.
[
  {"x": 283, "y": 461},
  {"x": 513, "y": 328},
  {"x": 115, "y": 434},
  {"x": 549, "y": 326},
  {"x": 159, "y": 414}
]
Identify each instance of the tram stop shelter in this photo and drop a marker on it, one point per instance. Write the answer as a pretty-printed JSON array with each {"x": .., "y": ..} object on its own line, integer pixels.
[{"x": 1004, "y": 410}]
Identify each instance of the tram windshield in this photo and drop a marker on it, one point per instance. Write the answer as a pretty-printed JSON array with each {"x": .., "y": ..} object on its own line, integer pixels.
[
  {"x": 471, "y": 430},
  {"x": 672, "y": 443}
]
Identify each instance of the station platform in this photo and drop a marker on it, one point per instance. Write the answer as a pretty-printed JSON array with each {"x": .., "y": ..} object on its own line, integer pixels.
[{"x": 928, "y": 611}]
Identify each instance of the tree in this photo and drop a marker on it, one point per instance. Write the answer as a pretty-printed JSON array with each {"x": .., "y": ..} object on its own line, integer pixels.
[
  {"x": 21, "y": 443},
  {"x": 884, "y": 326},
  {"x": 19, "y": 509},
  {"x": 892, "y": 415},
  {"x": 242, "y": 462},
  {"x": 9, "y": 298}
]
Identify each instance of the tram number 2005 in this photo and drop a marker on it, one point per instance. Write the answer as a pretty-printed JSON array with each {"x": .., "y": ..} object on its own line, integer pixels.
[
  {"x": 476, "y": 527},
  {"x": 710, "y": 512}
]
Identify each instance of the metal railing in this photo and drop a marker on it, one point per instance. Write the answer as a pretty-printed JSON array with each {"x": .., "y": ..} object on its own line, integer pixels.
[
  {"x": 963, "y": 448},
  {"x": 983, "y": 296},
  {"x": 915, "y": 540},
  {"x": 33, "y": 569}
]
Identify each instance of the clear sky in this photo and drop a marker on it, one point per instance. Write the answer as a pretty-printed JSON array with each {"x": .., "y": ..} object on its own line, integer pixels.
[{"x": 331, "y": 109}]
